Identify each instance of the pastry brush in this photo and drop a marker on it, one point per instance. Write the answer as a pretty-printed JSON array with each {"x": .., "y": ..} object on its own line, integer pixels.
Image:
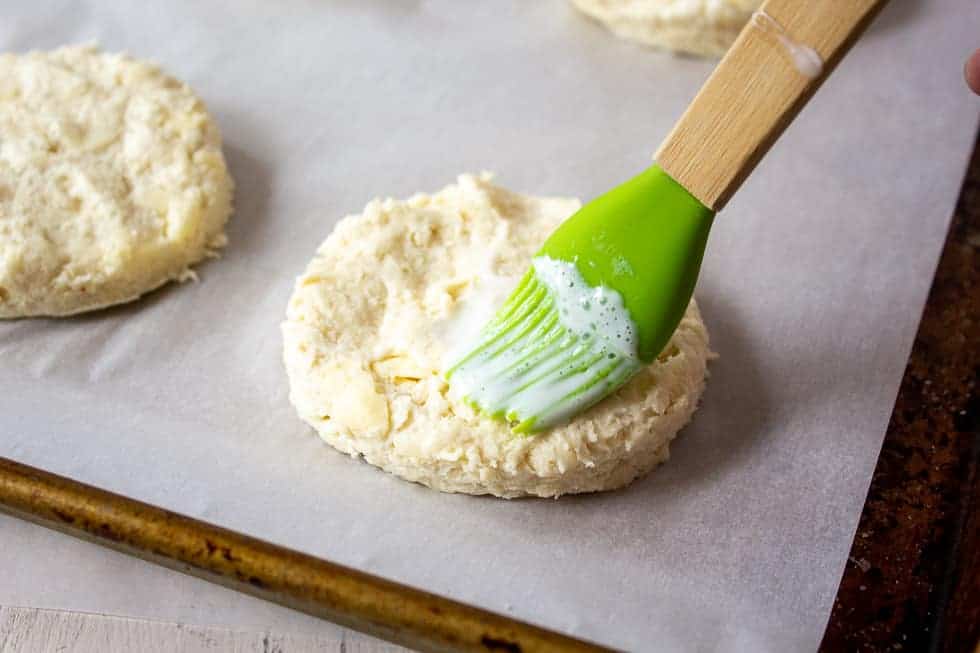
[{"x": 610, "y": 285}]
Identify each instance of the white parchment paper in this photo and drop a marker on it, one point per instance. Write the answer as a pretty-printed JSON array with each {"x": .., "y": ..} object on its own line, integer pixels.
[{"x": 812, "y": 287}]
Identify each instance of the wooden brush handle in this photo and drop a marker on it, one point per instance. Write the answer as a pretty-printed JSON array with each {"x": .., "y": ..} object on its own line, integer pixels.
[{"x": 756, "y": 91}]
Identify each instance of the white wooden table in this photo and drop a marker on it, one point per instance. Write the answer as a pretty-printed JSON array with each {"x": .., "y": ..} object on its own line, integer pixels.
[{"x": 30, "y": 630}]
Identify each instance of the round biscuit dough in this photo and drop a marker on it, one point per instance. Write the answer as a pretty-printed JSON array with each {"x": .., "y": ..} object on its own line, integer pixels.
[
  {"x": 112, "y": 181},
  {"x": 367, "y": 331},
  {"x": 700, "y": 27}
]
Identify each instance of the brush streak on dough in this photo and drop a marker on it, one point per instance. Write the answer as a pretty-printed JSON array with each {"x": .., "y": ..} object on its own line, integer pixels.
[{"x": 365, "y": 341}]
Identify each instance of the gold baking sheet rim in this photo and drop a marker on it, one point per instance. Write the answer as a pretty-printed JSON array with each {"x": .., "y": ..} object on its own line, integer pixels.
[{"x": 364, "y": 602}]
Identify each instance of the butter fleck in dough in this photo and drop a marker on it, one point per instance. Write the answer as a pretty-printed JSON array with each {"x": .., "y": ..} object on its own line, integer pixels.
[
  {"x": 699, "y": 27},
  {"x": 371, "y": 321},
  {"x": 112, "y": 181}
]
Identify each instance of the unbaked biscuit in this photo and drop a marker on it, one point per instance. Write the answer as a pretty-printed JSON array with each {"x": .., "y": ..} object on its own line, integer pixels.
[
  {"x": 112, "y": 181},
  {"x": 389, "y": 293},
  {"x": 699, "y": 27}
]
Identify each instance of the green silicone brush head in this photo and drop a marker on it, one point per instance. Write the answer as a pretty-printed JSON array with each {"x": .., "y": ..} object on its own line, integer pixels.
[{"x": 602, "y": 299}]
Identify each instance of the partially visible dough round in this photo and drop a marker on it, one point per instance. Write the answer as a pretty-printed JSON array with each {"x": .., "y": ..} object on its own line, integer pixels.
[
  {"x": 112, "y": 181},
  {"x": 699, "y": 27},
  {"x": 367, "y": 331}
]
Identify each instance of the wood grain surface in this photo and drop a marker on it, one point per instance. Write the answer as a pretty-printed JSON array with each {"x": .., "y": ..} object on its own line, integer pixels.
[{"x": 30, "y": 630}]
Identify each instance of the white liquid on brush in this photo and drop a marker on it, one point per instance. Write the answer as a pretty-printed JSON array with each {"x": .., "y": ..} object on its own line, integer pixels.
[
  {"x": 587, "y": 310},
  {"x": 584, "y": 348},
  {"x": 805, "y": 59}
]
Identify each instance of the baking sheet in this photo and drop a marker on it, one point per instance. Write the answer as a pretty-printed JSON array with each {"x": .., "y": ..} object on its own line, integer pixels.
[{"x": 812, "y": 288}]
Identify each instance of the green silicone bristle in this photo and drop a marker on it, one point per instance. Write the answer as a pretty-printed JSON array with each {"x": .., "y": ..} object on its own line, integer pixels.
[
  {"x": 526, "y": 353},
  {"x": 638, "y": 248}
]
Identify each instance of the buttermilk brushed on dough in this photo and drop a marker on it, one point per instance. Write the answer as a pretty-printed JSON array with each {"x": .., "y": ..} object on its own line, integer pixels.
[
  {"x": 112, "y": 181},
  {"x": 366, "y": 335},
  {"x": 700, "y": 27}
]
